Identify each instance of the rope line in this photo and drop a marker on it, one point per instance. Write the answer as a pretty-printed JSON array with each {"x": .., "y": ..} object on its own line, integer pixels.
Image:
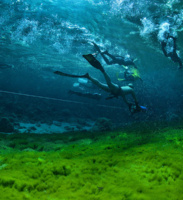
[{"x": 56, "y": 99}]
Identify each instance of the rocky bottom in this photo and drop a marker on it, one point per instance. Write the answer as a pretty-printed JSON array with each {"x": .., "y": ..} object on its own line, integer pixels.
[{"x": 124, "y": 164}]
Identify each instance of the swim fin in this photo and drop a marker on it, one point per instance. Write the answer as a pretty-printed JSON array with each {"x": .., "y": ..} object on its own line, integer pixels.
[
  {"x": 135, "y": 108},
  {"x": 72, "y": 75},
  {"x": 143, "y": 108},
  {"x": 94, "y": 62}
]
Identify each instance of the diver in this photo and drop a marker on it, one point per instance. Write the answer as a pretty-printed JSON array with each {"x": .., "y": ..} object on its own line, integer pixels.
[
  {"x": 120, "y": 60},
  {"x": 82, "y": 86},
  {"x": 89, "y": 95},
  {"x": 169, "y": 48},
  {"x": 130, "y": 75},
  {"x": 110, "y": 87}
]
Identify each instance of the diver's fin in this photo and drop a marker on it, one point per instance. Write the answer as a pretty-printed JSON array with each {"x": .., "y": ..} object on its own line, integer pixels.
[
  {"x": 94, "y": 62},
  {"x": 136, "y": 74},
  {"x": 72, "y": 75},
  {"x": 96, "y": 46}
]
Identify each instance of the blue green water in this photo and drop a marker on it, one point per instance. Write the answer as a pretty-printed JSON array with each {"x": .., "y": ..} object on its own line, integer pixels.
[
  {"x": 106, "y": 153},
  {"x": 39, "y": 37}
]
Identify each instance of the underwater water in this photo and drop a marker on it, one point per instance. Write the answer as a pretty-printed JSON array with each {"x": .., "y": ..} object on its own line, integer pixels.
[{"x": 67, "y": 140}]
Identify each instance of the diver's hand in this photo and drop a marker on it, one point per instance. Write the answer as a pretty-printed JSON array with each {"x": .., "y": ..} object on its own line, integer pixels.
[
  {"x": 134, "y": 107},
  {"x": 138, "y": 108}
]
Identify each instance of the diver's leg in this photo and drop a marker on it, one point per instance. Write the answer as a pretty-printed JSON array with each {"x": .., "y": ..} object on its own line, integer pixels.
[
  {"x": 175, "y": 58},
  {"x": 113, "y": 87},
  {"x": 99, "y": 84},
  {"x": 110, "y": 55},
  {"x": 163, "y": 45},
  {"x": 179, "y": 61},
  {"x": 106, "y": 59},
  {"x": 93, "y": 80},
  {"x": 174, "y": 44}
]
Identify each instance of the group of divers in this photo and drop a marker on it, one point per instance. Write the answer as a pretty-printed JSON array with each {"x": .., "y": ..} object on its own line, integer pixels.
[{"x": 168, "y": 46}]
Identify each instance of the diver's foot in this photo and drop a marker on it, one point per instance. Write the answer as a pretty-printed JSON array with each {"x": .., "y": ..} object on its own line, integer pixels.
[
  {"x": 105, "y": 52},
  {"x": 86, "y": 76}
]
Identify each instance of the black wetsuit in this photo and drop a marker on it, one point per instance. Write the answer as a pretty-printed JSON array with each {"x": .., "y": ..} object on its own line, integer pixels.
[
  {"x": 173, "y": 55},
  {"x": 120, "y": 60}
]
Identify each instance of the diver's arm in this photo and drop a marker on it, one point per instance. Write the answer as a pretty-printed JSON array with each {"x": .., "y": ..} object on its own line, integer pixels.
[{"x": 106, "y": 59}]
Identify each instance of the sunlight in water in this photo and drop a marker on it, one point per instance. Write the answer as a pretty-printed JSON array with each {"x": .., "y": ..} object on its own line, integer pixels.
[{"x": 148, "y": 27}]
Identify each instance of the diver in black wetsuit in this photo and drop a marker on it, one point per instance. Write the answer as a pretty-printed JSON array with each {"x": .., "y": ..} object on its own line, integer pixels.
[
  {"x": 120, "y": 60},
  {"x": 169, "y": 48}
]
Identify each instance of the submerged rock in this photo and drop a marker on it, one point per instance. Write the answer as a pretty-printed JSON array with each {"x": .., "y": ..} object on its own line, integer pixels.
[{"x": 6, "y": 126}]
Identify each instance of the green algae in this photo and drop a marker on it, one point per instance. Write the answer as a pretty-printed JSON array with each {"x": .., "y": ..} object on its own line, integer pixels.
[{"x": 122, "y": 165}]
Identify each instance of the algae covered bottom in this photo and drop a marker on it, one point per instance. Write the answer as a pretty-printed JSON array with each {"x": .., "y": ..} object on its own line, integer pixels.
[{"x": 118, "y": 165}]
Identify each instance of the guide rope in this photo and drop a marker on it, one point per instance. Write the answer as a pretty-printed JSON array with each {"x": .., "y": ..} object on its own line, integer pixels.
[{"x": 56, "y": 99}]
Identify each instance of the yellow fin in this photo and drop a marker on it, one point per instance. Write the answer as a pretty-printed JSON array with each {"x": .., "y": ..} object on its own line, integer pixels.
[{"x": 136, "y": 73}]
